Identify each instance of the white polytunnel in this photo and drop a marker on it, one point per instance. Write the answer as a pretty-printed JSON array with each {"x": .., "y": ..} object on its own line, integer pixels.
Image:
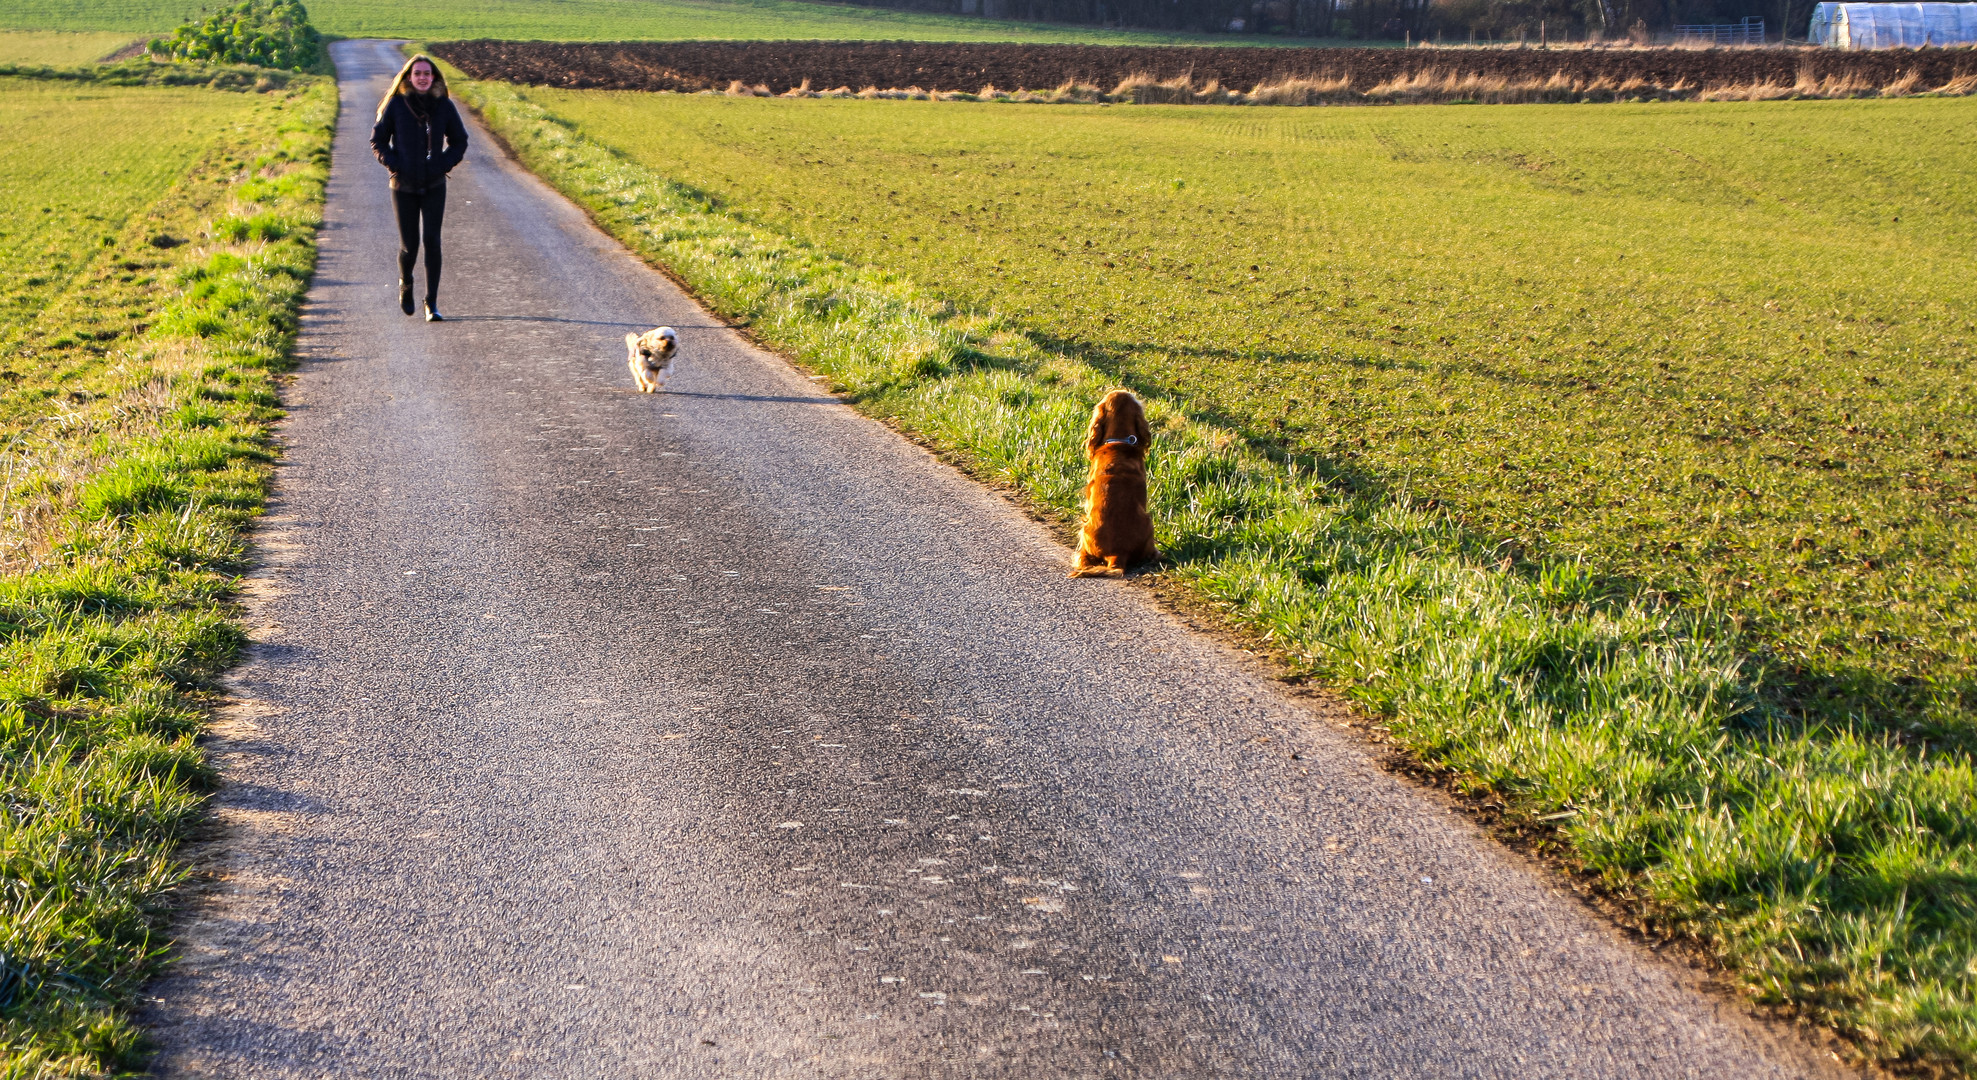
[{"x": 1893, "y": 26}]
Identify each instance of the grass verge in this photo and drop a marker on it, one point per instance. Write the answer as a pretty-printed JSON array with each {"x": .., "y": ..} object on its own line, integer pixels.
[
  {"x": 144, "y": 72},
  {"x": 1825, "y": 862},
  {"x": 135, "y": 436}
]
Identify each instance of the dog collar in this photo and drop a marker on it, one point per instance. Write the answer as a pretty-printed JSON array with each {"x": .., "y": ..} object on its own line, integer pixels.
[{"x": 1130, "y": 440}]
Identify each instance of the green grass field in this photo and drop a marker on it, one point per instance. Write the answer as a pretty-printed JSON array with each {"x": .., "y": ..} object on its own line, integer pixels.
[
  {"x": 1722, "y": 354},
  {"x": 607, "y": 20},
  {"x": 60, "y": 48},
  {"x": 1617, "y": 456},
  {"x": 151, "y": 275},
  {"x": 62, "y": 197}
]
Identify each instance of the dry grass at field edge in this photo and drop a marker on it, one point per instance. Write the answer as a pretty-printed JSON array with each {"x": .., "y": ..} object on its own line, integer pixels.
[{"x": 1429, "y": 87}]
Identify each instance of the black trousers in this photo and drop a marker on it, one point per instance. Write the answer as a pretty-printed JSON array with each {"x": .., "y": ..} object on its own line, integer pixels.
[{"x": 419, "y": 216}]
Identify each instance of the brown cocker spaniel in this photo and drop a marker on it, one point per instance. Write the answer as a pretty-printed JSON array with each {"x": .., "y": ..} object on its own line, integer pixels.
[{"x": 1118, "y": 530}]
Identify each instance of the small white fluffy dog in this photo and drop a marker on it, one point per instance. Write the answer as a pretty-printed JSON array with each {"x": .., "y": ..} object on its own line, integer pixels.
[{"x": 652, "y": 357}]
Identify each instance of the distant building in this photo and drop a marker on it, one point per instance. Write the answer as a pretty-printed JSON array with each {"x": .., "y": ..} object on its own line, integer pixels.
[{"x": 1893, "y": 26}]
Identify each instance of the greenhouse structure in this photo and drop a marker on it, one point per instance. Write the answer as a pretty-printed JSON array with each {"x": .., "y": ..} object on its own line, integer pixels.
[{"x": 1893, "y": 26}]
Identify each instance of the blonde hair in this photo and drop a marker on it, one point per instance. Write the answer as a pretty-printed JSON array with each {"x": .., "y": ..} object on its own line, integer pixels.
[{"x": 402, "y": 82}]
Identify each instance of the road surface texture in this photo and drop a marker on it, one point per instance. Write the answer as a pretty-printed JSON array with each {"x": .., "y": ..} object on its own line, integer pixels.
[{"x": 724, "y": 733}]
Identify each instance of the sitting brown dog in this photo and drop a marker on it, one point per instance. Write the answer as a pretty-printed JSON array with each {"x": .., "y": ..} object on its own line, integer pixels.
[{"x": 1118, "y": 530}]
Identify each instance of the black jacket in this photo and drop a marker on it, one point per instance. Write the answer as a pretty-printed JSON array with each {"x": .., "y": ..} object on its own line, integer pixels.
[{"x": 409, "y": 144}]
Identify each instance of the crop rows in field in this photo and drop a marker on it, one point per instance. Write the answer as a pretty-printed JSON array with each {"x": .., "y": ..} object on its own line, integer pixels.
[
  {"x": 781, "y": 66},
  {"x": 57, "y": 48},
  {"x": 63, "y": 198}
]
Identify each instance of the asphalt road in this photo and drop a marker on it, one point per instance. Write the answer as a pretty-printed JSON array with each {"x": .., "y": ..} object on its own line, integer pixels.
[{"x": 724, "y": 733}]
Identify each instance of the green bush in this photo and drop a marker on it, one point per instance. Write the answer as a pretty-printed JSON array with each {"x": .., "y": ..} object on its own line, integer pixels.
[{"x": 268, "y": 33}]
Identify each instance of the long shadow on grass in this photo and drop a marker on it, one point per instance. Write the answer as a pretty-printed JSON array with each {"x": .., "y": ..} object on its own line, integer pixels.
[
  {"x": 1469, "y": 363},
  {"x": 1927, "y": 715}
]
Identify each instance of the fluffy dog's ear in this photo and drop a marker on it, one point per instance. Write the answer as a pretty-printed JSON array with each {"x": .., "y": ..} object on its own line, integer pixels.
[
  {"x": 1140, "y": 427},
  {"x": 631, "y": 343},
  {"x": 1095, "y": 434}
]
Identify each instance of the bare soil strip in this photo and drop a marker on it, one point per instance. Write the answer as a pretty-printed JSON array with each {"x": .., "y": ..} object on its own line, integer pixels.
[{"x": 781, "y": 66}]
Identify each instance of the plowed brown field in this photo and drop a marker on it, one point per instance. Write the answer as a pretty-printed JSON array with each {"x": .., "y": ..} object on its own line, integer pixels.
[{"x": 784, "y": 65}]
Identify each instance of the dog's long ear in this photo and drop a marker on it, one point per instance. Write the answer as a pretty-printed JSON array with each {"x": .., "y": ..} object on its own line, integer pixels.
[
  {"x": 1140, "y": 427},
  {"x": 1095, "y": 435},
  {"x": 631, "y": 343}
]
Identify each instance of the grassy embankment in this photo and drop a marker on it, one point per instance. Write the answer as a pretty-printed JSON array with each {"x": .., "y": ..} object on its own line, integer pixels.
[
  {"x": 149, "y": 279},
  {"x": 1609, "y": 456},
  {"x": 612, "y": 20}
]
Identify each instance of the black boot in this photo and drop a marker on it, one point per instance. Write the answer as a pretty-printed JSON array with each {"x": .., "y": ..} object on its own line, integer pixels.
[
  {"x": 432, "y": 310},
  {"x": 405, "y": 297}
]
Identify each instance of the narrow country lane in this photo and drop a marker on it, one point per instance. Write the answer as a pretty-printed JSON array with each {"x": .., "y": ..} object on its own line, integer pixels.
[{"x": 724, "y": 733}]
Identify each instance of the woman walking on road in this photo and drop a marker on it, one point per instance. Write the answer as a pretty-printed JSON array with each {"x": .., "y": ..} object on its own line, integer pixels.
[{"x": 414, "y": 119}]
